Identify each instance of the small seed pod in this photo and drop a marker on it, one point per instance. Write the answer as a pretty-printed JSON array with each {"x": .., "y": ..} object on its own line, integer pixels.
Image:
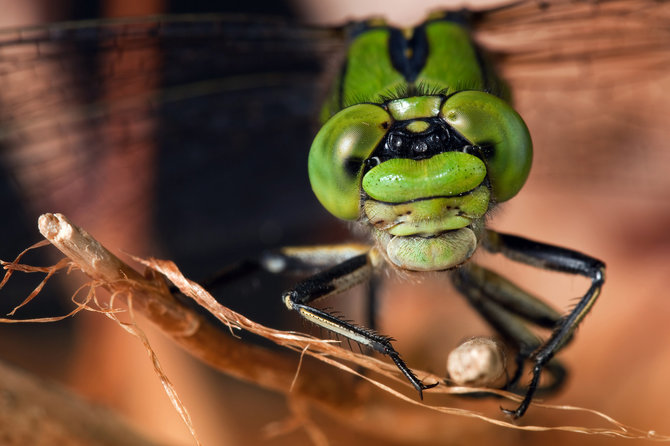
[{"x": 477, "y": 362}]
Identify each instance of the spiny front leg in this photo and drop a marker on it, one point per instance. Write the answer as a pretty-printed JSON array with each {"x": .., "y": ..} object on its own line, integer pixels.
[{"x": 336, "y": 280}]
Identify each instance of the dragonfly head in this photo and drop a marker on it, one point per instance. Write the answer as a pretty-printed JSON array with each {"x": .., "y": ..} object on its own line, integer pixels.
[{"x": 422, "y": 171}]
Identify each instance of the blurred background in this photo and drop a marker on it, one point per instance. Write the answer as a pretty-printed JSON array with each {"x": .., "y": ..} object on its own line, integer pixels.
[{"x": 197, "y": 180}]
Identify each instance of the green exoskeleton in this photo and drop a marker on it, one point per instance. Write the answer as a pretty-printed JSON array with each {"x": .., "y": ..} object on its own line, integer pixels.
[{"x": 419, "y": 143}]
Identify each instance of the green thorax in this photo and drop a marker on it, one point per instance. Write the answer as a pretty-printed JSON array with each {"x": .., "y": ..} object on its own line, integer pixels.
[{"x": 383, "y": 62}]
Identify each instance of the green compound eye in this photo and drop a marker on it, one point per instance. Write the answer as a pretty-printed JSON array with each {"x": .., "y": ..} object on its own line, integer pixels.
[
  {"x": 487, "y": 120},
  {"x": 336, "y": 158}
]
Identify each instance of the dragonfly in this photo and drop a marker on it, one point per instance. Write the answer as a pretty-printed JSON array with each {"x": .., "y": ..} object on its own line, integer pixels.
[{"x": 107, "y": 113}]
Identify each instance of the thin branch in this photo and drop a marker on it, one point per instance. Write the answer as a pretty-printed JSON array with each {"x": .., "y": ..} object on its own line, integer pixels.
[{"x": 197, "y": 335}]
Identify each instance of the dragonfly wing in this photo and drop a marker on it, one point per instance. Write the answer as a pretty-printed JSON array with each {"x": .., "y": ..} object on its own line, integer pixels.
[
  {"x": 591, "y": 79},
  {"x": 200, "y": 124}
]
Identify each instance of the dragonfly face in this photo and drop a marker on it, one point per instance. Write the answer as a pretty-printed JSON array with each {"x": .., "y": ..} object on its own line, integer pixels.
[{"x": 421, "y": 169}]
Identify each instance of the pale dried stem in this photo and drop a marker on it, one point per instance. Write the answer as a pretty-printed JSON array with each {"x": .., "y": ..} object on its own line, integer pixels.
[{"x": 152, "y": 298}]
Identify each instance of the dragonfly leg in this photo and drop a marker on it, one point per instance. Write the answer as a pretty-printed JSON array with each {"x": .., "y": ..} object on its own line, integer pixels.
[
  {"x": 288, "y": 261},
  {"x": 551, "y": 258},
  {"x": 373, "y": 303},
  {"x": 509, "y": 310},
  {"x": 335, "y": 280}
]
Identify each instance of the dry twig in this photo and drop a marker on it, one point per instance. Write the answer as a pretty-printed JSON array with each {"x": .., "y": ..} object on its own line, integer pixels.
[{"x": 317, "y": 383}]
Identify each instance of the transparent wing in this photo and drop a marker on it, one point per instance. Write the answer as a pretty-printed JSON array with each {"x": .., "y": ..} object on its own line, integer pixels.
[
  {"x": 591, "y": 79},
  {"x": 196, "y": 126}
]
